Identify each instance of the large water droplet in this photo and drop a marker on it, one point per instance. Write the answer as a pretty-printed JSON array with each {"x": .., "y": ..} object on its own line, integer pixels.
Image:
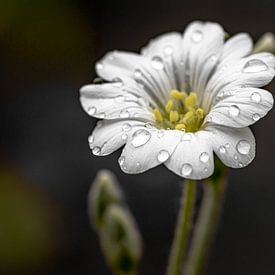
[
  {"x": 124, "y": 114},
  {"x": 96, "y": 150},
  {"x": 254, "y": 66},
  {"x": 126, "y": 127},
  {"x": 204, "y": 157},
  {"x": 157, "y": 63},
  {"x": 99, "y": 66},
  {"x": 117, "y": 82},
  {"x": 256, "y": 97},
  {"x": 197, "y": 36},
  {"x": 91, "y": 110},
  {"x": 256, "y": 117},
  {"x": 186, "y": 169},
  {"x": 234, "y": 110},
  {"x": 121, "y": 160},
  {"x": 163, "y": 155},
  {"x": 243, "y": 147},
  {"x": 222, "y": 149},
  {"x": 168, "y": 50},
  {"x": 140, "y": 137}
]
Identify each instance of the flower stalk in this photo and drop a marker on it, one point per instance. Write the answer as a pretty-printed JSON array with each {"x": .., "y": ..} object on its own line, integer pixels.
[{"x": 184, "y": 225}]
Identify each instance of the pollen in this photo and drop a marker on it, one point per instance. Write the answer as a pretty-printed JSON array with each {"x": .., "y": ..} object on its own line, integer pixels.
[{"x": 181, "y": 112}]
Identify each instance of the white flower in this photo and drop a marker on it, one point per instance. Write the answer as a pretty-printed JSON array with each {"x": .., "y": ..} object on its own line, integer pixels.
[{"x": 185, "y": 97}]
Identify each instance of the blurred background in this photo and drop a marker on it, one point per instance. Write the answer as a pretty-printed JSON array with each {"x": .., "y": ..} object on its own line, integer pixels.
[{"x": 47, "y": 51}]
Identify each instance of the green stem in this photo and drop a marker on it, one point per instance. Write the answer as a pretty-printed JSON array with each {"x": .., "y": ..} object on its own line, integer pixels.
[
  {"x": 183, "y": 228},
  {"x": 214, "y": 189}
]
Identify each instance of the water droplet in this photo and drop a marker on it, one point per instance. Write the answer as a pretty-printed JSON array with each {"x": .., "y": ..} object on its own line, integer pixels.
[
  {"x": 186, "y": 169},
  {"x": 209, "y": 119},
  {"x": 160, "y": 133},
  {"x": 168, "y": 50},
  {"x": 234, "y": 110},
  {"x": 157, "y": 63},
  {"x": 138, "y": 164},
  {"x": 256, "y": 117},
  {"x": 99, "y": 66},
  {"x": 227, "y": 145},
  {"x": 91, "y": 110},
  {"x": 124, "y": 136},
  {"x": 197, "y": 36},
  {"x": 117, "y": 82},
  {"x": 181, "y": 63},
  {"x": 136, "y": 115},
  {"x": 205, "y": 169},
  {"x": 220, "y": 95},
  {"x": 235, "y": 157},
  {"x": 240, "y": 164},
  {"x": 222, "y": 149},
  {"x": 121, "y": 160},
  {"x": 254, "y": 66},
  {"x": 140, "y": 137},
  {"x": 126, "y": 127},
  {"x": 256, "y": 97},
  {"x": 163, "y": 155},
  {"x": 204, "y": 157},
  {"x": 187, "y": 137},
  {"x": 149, "y": 125},
  {"x": 101, "y": 115},
  {"x": 213, "y": 58},
  {"x": 99, "y": 124},
  {"x": 91, "y": 139},
  {"x": 243, "y": 147},
  {"x": 96, "y": 150},
  {"x": 119, "y": 99},
  {"x": 124, "y": 114},
  {"x": 137, "y": 74}
]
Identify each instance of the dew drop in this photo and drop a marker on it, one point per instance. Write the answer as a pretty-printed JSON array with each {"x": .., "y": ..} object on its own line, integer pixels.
[
  {"x": 101, "y": 115},
  {"x": 205, "y": 169},
  {"x": 234, "y": 111},
  {"x": 163, "y": 155},
  {"x": 254, "y": 66},
  {"x": 168, "y": 50},
  {"x": 204, "y": 157},
  {"x": 227, "y": 145},
  {"x": 99, "y": 66},
  {"x": 197, "y": 36},
  {"x": 256, "y": 97},
  {"x": 182, "y": 63},
  {"x": 126, "y": 127},
  {"x": 213, "y": 58},
  {"x": 222, "y": 149},
  {"x": 157, "y": 63},
  {"x": 140, "y": 137},
  {"x": 124, "y": 114},
  {"x": 240, "y": 164},
  {"x": 91, "y": 110},
  {"x": 99, "y": 124},
  {"x": 117, "y": 82},
  {"x": 124, "y": 136},
  {"x": 96, "y": 150},
  {"x": 243, "y": 147},
  {"x": 138, "y": 164},
  {"x": 256, "y": 117},
  {"x": 137, "y": 74},
  {"x": 186, "y": 169},
  {"x": 235, "y": 157},
  {"x": 187, "y": 137},
  {"x": 121, "y": 160}
]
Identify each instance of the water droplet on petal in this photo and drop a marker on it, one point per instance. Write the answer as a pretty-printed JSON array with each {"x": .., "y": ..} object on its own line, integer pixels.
[
  {"x": 254, "y": 66},
  {"x": 140, "y": 137},
  {"x": 96, "y": 150},
  {"x": 124, "y": 114},
  {"x": 187, "y": 137},
  {"x": 160, "y": 133},
  {"x": 205, "y": 169},
  {"x": 119, "y": 99},
  {"x": 256, "y": 117},
  {"x": 234, "y": 111},
  {"x": 204, "y": 157},
  {"x": 240, "y": 164},
  {"x": 235, "y": 157},
  {"x": 157, "y": 63},
  {"x": 117, "y": 82},
  {"x": 138, "y": 164},
  {"x": 99, "y": 124},
  {"x": 213, "y": 58},
  {"x": 124, "y": 136},
  {"x": 182, "y": 63},
  {"x": 186, "y": 169},
  {"x": 222, "y": 149},
  {"x": 137, "y": 74},
  {"x": 101, "y": 115},
  {"x": 99, "y": 66},
  {"x": 163, "y": 155},
  {"x": 256, "y": 97},
  {"x": 149, "y": 125},
  {"x": 126, "y": 127},
  {"x": 91, "y": 110},
  {"x": 168, "y": 50},
  {"x": 243, "y": 147},
  {"x": 197, "y": 36},
  {"x": 121, "y": 160},
  {"x": 91, "y": 139},
  {"x": 227, "y": 145}
]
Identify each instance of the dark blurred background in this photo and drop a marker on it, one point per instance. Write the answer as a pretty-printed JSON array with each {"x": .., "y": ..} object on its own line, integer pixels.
[{"x": 47, "y": 51}]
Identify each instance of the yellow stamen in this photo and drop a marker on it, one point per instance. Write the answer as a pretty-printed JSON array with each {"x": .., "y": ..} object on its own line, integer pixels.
[
  {"x": 180, "y": 126},
  {"x": 191, "y": 100},
  {"x": 173, "y": 116},
  {"x": 200, "y": 113},
  {"x": 158, "y": 115},
  {"x": 169, "y": 106},
  {"x": 175, "y": 94}
]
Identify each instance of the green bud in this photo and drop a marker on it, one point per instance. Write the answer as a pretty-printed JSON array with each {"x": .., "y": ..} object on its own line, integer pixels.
[
  {"x": 120, "y": 240},
  {"x": 104, "y": 192},
  {"x": 265, "y": 44}
]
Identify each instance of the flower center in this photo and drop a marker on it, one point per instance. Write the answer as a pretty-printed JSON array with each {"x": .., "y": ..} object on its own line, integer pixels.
[{"x": 181, "y": 112}]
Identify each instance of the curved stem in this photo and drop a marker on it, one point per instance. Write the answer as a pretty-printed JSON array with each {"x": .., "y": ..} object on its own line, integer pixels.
[
  {"x": 183, "y": 228},
  {"x": 214, "y": 189}
]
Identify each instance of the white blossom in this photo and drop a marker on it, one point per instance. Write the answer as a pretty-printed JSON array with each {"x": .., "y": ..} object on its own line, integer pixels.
[{"x": 182, "y": 99}]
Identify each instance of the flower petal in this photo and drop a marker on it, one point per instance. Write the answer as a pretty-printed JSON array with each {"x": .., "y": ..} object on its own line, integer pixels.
[
  {"x": 193, "y": 157},
  {"x": 241, "y": 108},
  {"x": 257, "y": 70},
  {"x": 108, "y": 136},
  {"x": 110, "y": 102},
  {"x": 235, "y": 147},
  {"x": 148, "y": 148},
  {"x": 201, "y": 49},
  {"x": 146, "y": 76}
]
